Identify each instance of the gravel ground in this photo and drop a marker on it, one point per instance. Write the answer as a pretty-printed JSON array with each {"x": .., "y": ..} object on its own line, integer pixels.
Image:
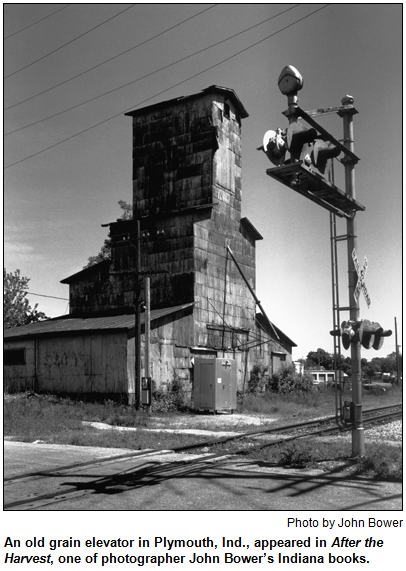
[{"x": 391, "y": 431}]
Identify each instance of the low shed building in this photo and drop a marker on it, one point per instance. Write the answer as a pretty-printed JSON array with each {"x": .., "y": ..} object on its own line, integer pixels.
[
  {"x": 94, "y": 356},
  {"x": 87, "y": 356}
]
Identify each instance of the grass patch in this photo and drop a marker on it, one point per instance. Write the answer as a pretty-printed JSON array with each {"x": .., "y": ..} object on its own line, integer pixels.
[
  {"x": 303, "y": 406},
  {"x": 381, "y": 461},
  {"x": 53, "y": 420},
  {"x": 292, "y": 406},
  {"x": 139, "y": 440},
  {"x": 29, "y": 417}
]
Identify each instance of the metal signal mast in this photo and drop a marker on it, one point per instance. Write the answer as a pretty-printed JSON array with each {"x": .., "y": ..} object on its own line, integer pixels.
[{"x": 302, "y": 156}]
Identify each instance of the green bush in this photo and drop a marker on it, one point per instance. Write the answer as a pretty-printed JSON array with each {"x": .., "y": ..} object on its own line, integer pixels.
[
  {"x": 286, "y": 381},
  {"x": 258, "y": 379},
  {"x": 174, "y": 399}
]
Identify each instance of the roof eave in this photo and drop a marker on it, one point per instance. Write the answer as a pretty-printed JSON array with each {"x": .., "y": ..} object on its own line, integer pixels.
[{"x": 211, "y": 89}]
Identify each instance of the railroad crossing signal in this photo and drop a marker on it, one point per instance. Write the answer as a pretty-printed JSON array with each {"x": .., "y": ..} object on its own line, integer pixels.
[
  {"x": 361, "y": 279},
  {"x": 368, "y": 333}
]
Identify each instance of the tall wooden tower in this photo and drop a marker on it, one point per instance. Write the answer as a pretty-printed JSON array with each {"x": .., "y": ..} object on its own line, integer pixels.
[{"x": 187, "y": 194}]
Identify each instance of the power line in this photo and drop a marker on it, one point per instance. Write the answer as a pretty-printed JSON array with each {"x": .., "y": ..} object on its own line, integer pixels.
[
  {"x": 165, "y": 90},
  {"x": 37, "y": 22},
  {"x": 151, "y": 73},
  {"x": 110, "y": 59},
  {"x": 42, "y": 295},
  {"x": 70, "y": 42}
]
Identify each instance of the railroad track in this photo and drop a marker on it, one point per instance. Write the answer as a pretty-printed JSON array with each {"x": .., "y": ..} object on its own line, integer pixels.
[{"x": 148, "y": 458}]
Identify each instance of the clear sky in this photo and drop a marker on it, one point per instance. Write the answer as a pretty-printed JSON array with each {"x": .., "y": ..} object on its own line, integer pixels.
[{"x": 56, "y": 201}]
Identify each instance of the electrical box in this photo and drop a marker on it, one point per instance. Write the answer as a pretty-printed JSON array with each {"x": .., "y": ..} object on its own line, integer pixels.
[
  {"x": 348, "y": 412},
  {"x": 146, "y": 386},
  {"x": 215, "y": 384}
]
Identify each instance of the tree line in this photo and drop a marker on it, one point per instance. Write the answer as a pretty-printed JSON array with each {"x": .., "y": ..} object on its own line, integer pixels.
[
  {"x": 17, "y": 308},
  {"x": 321, "y": 358}
]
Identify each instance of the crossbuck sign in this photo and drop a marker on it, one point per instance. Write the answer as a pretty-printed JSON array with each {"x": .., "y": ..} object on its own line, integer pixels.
[{"x": 361, "y": 279}]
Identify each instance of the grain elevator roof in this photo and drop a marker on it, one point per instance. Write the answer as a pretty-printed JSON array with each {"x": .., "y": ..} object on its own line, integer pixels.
[{"x": 230, "y": 93}]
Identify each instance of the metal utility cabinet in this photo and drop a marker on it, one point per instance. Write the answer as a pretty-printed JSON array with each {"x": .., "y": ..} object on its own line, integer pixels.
[{"x": 215, "y": 384}]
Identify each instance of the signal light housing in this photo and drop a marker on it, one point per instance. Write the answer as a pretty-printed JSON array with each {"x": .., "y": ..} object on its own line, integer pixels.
[
  {"x": 322, "y": 152},
  {"x": 290, "y": 80},
  {"x": 368, "y": 333},
  {"x": 297, "y": 136},
  {"x": 274, "y": 146}
]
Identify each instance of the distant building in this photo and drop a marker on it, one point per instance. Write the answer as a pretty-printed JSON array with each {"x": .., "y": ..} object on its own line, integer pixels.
[
  {"x": 327, "y": 378},
  {"x": 299, "y": 366},
  {"x": 187, "y": 195}
]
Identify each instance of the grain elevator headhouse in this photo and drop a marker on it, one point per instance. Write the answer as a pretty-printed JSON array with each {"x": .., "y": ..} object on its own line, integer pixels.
[{"x": 187, "y": 193}]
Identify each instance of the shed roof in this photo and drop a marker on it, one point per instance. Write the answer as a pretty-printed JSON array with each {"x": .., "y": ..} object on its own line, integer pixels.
[
  {"x": 100, "y": 266},
  {"x": 66, "y": 324},
  {"x": 251, "y": 228},
  {"x": 263, "y": 323},
  {"x": 211, "y": 89}
]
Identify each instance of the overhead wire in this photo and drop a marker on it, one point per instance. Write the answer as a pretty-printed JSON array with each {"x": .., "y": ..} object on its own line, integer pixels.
[
  {"x": 151, "y": 73},
  {"x": 70, "y": 42},
  {"x": 167, "y": 89},
  {"x": 111, "y": 59},
  {"x": 42, "y": 295},
  {"x": 36, "y": 22}
]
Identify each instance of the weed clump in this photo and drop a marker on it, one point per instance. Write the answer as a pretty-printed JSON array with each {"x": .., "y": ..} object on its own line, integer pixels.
[
  {"x": 172, "y": 398},
  {"x": 383, "y": 463},
  {"x": 297, "y": 455}
]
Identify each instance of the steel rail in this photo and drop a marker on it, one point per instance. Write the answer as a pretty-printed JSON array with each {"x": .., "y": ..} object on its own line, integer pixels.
[{"x": 332, "y": 430}]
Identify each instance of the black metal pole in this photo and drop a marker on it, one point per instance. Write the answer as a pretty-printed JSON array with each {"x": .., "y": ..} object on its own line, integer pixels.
[
  {"x": 397, "y": 354},
  {"x": 358, "y": 446},
  {"x": 137, "y": 340}
]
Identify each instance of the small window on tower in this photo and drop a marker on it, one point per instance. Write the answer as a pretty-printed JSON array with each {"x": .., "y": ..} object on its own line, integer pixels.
[{"x": 226, "y": 110}]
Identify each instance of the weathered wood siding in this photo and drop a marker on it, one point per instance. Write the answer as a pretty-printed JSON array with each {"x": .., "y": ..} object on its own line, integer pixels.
[
  {"x": 92, "y": 291},
  {"x": 20, "y": 378},
  {"x": 221, "y": 296},
  {"x": 172, "y": 157},
  {"x": 186, "y": 156},
  {"x": 80, "y": 364},
  {"x": 172, "y": 171},
  {"x": 187, "y": 193},
  {"x": 170, "y": 356}
]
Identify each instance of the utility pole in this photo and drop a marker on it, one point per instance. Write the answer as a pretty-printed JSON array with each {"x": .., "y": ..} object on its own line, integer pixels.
[
  {"x": 147, "y": 340},
  {"x": 135, "y": 384},
  {"x": 397, "y": 354},
  {"x": 137, "y": 309},
  {"x": 358, "y": 445}
]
